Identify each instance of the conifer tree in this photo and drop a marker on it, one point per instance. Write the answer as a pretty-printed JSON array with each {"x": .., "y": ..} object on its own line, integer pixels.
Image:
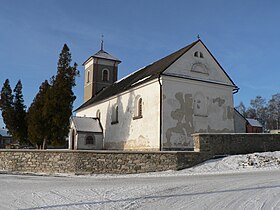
[
  {"x": 38, "y": 122},
  {"x": 19, "y": 119},
  {"x": 6, "y": 106},
  {"x": 60, "y": 97}
]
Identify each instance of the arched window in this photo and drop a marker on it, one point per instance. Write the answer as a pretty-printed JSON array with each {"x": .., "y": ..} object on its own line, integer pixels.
[
  {"x": 198, "y": 54},
  {"x": 90, "y": 140},
  {"x": 138, "y": 108},
  {"x": 105, "y": 75},
  {"x": 115, "y": 114},
  {"x": 98, "y": 114}
]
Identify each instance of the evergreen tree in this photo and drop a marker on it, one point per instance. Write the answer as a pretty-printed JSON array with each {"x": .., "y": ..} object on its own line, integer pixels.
[
  {"x": 38, "y": 122},
  {"x": 19, "y": 121},
  {"x": 6, "y": 106},
  {"x": 60, "y": 97}
]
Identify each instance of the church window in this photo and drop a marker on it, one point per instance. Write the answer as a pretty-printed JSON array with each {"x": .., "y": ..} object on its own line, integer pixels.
[
  {"x": 105, "y": 75},
  {"x": 138, "y": 108},
  {"x": 198, "y": 54},
  {"x": 90, "y": 140},
  {"x": 115, "y": 115},
  {"x": 88, "y": 76},
  {"x": 98, "y": 114}
]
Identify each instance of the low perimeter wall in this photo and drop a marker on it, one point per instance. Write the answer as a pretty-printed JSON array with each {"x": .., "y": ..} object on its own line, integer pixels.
[
  {"x": 115, "y": 162},
  {"x": 88, "y": 162},
  {"x": 234, "y": 143}
]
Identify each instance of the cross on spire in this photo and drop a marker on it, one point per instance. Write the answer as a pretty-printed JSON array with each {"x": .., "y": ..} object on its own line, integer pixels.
[{"x": 102, "y": 42}]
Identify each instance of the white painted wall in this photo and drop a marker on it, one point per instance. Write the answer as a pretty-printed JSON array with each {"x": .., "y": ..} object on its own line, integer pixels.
[
  {"x": 130, "y": 134},
  {"x": 81, "y": 143},
  {"x": 239, "y": 123},
  {"x": 181, "y": 111},
  {"x": 197, "y": 98},
  {"x": 184, "y": 66}
]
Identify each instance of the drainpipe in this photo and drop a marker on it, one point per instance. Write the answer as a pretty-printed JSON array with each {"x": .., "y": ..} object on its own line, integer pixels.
[
  {"x": 160, "y": 116},
  {"x": 235, "y": 90}
]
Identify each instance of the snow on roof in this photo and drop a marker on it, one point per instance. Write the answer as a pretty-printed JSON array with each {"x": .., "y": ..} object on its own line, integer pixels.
[
  {"x": 103, "y": 54},
  {"x": 254, "y": 122},
  {"x": 4, "y": 132},
  {"x": 87, "y": 124}
]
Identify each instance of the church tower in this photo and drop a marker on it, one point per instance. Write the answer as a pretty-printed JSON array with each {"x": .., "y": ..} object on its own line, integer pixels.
[{"x": 101, "y": 71}]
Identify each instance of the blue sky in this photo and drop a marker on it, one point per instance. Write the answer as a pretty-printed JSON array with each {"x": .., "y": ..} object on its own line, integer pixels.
[{"x": 242, "y": 35}]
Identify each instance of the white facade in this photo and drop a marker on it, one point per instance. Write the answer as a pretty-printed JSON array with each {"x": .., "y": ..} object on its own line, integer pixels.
[
  {"x": 197, "y": 98},
  {"x": 129, "y": 133},
  {"x": 189, "y": 93}
]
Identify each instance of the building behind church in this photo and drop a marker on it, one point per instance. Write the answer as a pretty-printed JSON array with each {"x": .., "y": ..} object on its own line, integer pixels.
[{"x": 157, "y": 107}]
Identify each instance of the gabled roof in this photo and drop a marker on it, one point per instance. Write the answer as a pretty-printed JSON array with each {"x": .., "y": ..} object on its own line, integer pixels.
[
  {"x": 254, "y": 122},
  {"x": 87, "y": 124},
  {"x": 143, "y": 75},
  {"x": 104, "y": 55}
]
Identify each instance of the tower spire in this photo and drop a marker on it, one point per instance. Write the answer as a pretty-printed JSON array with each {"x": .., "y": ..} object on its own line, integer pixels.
[{"x": 102, "y": 42}]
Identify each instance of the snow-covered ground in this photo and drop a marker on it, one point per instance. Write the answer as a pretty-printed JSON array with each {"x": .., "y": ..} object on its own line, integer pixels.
[{"x": 235, "y": 182}]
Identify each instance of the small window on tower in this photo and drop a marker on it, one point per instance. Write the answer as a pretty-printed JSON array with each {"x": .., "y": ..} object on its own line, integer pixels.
[
  {"x": 88, "y": 75},
  {"x": 105, "y": 75}
]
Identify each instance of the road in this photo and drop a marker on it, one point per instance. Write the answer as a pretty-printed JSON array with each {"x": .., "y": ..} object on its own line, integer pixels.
[{"x": 249, "y": 190}]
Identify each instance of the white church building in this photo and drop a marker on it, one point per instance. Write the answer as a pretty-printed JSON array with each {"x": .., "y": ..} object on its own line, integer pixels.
[{"x": 157, "y": 107}]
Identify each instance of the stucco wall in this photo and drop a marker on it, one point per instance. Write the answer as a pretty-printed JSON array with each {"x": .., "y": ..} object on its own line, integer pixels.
[
  {"x": 194, "y": 107},
  {"x": 129, "y": 133},
  {"x": 81, "y": 144},
  {"x": 239, "y": 123}
]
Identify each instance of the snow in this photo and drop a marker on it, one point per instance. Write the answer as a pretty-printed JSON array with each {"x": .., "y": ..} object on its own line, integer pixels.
[{"x": 235, "y": 182}]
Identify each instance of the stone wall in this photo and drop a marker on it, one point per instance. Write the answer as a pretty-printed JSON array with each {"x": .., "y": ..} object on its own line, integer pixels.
[
  {"x": 88, "y": 162},
  {"x": 230, "y": 144},
  {"x": 123, "y": 162}
]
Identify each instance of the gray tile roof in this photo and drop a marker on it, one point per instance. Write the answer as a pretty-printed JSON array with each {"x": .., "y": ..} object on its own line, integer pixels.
[
  {"x": 103, "y": 54},
  {"x": 87, "y": 124},
  {"x": 254, "y": 122}
]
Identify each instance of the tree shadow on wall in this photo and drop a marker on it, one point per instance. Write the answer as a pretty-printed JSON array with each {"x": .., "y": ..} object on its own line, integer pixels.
[{"x": 116, "y": 134}]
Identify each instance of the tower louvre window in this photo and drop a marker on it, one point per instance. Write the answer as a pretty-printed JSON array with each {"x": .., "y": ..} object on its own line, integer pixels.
[
  {"x": 88, "y": 74},
  {"x": 105, "y": 75}
]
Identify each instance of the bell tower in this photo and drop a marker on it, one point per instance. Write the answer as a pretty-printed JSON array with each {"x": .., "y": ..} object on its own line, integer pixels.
[{"x": 101, "y": 71}]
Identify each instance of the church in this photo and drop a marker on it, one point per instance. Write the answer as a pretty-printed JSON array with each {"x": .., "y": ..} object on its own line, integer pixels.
[{"x": 155, "y": 108}]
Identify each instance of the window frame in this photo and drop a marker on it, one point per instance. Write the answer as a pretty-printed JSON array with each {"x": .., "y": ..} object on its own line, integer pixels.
[
  {"x": 107, "y": 75},
  {"x": 92, "y": 140},
  {"x": 138, "y": 108}
]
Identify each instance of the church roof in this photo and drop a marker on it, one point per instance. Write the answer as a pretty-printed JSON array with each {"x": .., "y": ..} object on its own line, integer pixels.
[
  {"x": 143, "y": 75},
  {"x": 87, "y": 124},
  {"x": 104, "y": 55}
]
